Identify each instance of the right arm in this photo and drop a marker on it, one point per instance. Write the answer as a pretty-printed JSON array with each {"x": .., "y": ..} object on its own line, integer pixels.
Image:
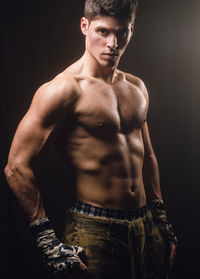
[{"x": 49, "y": 107}]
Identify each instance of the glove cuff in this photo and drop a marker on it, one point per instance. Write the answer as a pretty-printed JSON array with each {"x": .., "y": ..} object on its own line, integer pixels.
[
  {"x": 158, "y": 211},
  {"x": 156, "y": 204},
  {"x": 40, "y": 225}
]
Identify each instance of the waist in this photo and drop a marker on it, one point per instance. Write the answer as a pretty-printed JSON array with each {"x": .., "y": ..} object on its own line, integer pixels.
[{"x": 91, "y": 210}]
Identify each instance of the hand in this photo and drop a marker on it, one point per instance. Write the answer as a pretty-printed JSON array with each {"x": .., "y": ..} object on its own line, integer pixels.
[
  {"x": 171, "y": 259},
  {"x": 63, "y": 260},
  {"x": 59, "y": 258}
]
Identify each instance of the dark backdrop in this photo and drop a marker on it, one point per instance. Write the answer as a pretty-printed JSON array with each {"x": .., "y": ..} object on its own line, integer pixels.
[{"x": 41, "y": 38}]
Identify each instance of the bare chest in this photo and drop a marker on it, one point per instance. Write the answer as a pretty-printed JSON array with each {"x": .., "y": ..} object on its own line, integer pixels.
[{"x": 111, "y": 109}]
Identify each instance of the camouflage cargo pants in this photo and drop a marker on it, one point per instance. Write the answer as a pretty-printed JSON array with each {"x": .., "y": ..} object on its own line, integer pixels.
[{"x": 118, "y": 248}]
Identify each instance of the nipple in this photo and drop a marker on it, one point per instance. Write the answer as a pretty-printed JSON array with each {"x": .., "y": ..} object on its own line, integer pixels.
[{"x": 100, "y": 124}]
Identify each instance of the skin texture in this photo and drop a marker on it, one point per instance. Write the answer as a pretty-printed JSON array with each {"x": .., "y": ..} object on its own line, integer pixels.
[{"x": 97, "y": 115}]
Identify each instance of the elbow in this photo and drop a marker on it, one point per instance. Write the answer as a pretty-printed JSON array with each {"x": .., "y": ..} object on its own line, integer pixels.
[
  {"x": 13, "y": 174},
  {"x": 12, "y": 171},
  {"x": 8, "y": 171},
  {"x": 150, "y": 161},
  {"x": 150, "y": 156},
  {"x": 9, "y": 175}
]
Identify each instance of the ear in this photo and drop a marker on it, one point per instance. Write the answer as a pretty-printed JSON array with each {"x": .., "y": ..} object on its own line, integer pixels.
[
  {"x": 132, "y": 27},
  {"x": 84, "y": 25}
]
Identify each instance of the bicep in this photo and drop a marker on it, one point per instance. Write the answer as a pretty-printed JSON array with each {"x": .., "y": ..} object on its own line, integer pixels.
[
  {"x": 50, "y": 105},
  {"x": 29, "y": 138}
]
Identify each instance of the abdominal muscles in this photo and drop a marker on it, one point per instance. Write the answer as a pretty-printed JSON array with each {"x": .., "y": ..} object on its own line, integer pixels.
[{"x": 108, "y": 171}]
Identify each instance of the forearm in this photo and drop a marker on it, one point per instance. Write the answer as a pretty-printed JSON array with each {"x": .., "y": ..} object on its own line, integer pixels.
[
  {"x": 23, "y": 184},
  {"x": 151, "y": 179},
  {"x": 154, "y": 198},
  {"x": 59, "y": 258},
  {"x": 150, "y": 169}
]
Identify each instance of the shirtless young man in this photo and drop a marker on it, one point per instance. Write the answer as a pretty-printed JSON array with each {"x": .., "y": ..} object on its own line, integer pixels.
[{"x": 97, "y": 114}]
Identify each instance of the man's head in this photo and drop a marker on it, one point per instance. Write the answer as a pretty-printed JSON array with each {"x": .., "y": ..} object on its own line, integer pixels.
[
  {"x": 108, "y": 26},
  {"x": 119, "y": 9}
]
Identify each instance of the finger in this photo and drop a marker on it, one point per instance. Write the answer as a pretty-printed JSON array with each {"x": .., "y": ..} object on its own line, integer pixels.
[
  {"x": 173, "y": 251},
  {"x": 83, "y": 266},
  {"x": 172, "y": 255},
  {"x": 84, "y": 271}
]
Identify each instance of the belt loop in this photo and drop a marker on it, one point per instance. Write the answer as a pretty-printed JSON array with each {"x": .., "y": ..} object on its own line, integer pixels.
[{"x": 109, "y": 227}]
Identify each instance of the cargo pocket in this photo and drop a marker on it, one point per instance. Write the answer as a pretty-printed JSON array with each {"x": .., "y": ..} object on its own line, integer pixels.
[{"x": 154, "y": 251}]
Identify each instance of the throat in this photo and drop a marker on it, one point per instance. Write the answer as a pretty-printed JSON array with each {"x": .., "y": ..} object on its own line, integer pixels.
[{"x": 92, "y": 68}]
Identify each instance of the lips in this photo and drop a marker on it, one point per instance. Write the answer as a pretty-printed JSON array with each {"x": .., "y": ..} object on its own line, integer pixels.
[{"x": 110, "y": 56}]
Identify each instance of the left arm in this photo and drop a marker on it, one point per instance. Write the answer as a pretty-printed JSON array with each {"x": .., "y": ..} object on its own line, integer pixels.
[
  {"x": 151, "y": 176},
  {"x": 150, "y": 169},
  {"x": 151, "y": 179}
]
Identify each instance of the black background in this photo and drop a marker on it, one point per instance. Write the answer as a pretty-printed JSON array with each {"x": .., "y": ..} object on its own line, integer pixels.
[{"x": 41, "y": 38}]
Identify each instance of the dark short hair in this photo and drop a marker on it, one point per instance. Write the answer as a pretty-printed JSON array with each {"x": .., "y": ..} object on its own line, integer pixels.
[{"x": 120, "y": 9}]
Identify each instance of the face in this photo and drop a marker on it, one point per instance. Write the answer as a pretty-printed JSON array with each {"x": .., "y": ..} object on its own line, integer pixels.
[{"x": 106, "y": 38}]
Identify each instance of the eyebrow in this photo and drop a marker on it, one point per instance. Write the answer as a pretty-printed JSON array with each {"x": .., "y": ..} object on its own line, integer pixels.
[
  {"x": 101, "y": 27},
  {"x": 106, "y": 28}
]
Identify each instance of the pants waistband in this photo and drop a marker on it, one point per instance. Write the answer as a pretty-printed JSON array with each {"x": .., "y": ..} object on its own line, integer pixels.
[{"x": 84, "y": 208}]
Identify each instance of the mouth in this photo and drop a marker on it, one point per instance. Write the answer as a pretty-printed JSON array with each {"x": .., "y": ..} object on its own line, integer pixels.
[
  {"x": 110, "y": 55},
  {"x": 113, "y": 54}
]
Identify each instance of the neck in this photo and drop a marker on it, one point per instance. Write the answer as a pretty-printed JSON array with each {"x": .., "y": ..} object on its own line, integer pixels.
[{"x": 91, "y": 67}]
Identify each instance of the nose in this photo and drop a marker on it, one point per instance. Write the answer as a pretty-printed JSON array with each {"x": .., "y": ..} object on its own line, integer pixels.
[{"x": 112, "y": 42}]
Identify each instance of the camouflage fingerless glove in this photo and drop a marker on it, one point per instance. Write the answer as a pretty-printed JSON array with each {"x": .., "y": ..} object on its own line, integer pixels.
[
  {"x": 59, "y": 258},
  {"x": 160, "y": 219}
]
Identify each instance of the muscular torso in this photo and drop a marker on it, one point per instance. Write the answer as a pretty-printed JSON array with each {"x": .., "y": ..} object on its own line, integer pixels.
[{"x": 102, "y": 139}]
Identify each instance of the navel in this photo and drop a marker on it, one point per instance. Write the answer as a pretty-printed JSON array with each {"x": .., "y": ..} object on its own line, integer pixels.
[{"x": 133, "y": 188}]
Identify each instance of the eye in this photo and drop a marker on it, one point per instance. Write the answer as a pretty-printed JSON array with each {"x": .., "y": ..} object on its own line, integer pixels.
[
  {"x": 103, "y": 32},
  {"x": 123, "y": 34}
]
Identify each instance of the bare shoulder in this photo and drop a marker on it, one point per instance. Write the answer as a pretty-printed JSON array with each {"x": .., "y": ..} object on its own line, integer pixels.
[
  {"x": 136, "y": 81},
  {"x": 61, "y": 92}
]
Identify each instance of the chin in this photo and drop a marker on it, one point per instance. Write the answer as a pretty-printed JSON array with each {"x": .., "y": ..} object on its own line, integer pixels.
[{"x": 110, "y": 64}]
